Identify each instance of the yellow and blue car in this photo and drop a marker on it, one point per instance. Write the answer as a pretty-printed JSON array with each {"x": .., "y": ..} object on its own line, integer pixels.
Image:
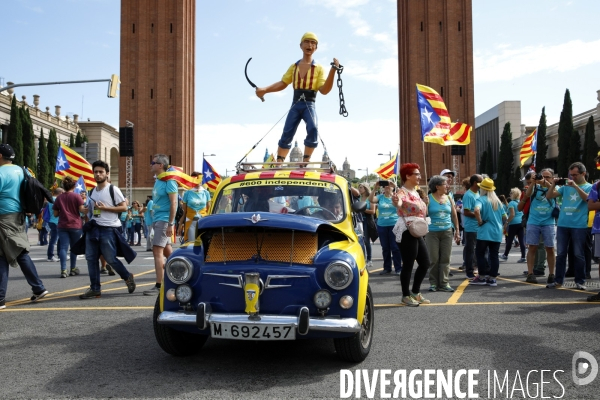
[{"x": 279, "y": 257}]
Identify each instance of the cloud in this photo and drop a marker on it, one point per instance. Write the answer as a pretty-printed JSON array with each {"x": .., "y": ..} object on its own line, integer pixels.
[
  {"x": 383, "y": 72},
  {"x": 38, "y": 10},
  {"x": 218, "y": 139},
  {"x": 266, "y": 21},
  {"x": 505, "y": 63}
]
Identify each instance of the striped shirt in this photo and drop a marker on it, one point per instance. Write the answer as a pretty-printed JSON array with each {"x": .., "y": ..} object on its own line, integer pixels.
[{"x": 313, "y": 80}]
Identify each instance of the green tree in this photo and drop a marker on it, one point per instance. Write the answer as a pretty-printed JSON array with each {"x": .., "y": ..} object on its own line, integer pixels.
[
  {"x": 574, "y": 148},
  {"x": 71, "y": 141},
  {"x": 85, "y": 139},
  {"x": 542, "y": 147},
  {"x": 505, "y": 161},
  {"x": 15, "y": 132},
  {"x": 78, "y": 139},
  {"x": 483, "y": 162},
  {"x": 590, "y": 150},
  {"x": 565, "y": 130},
  {"x": 52, "y": 153},
  {"x": 43, "y": 167},
  {"x": 516, "y": 179},
  {"x": 489, "y": 162},
  {"x": 28, "y": 140}
]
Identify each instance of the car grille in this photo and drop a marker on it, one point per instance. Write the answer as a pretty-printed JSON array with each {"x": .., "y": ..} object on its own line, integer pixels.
[{"x": 287, "y": 246}]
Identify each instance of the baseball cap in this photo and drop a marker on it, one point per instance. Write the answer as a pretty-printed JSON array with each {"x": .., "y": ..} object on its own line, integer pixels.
[
  {"x": 447, "y": 171},
  {"x": 7, "y": 151},
  {"x": 309, "y": 35}
]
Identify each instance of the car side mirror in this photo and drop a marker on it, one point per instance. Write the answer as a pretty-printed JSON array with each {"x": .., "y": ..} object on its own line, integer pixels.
[{"x": 359, "y": 206}]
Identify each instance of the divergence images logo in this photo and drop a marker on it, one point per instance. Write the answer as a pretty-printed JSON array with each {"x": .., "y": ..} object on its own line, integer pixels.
[{"x": 583, "y": 362}]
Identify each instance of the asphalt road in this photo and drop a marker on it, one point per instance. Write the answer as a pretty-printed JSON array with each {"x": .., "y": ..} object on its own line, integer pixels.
[{"x": 63, "y": 347}]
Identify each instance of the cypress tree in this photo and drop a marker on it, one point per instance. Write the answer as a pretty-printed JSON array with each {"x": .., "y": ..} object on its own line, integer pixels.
[
  {"x": 590, "y": 150},
  {"x": 505, "y": 161},
  {"x": 52, "y": 153},
  {"x": 15, "y": 132},
  {"x": 542, "y": 147},
  {"x": 78, "y": 139},
  {"x": 489, "y": 162},
  {"x": 516, "y": 179},
  {"x": 28, "y": 140},
  {"x": 85, "y": 139},
  {"x": 574, "y": 148},
  {"x": 43, "y": 166},
  {"x": 71, "y": 141},
  {"x": 483, "y": 162},
  {"x": 565, "y": 130}
]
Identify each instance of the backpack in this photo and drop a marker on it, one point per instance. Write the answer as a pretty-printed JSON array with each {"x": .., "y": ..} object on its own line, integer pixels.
[
  {"x": 46, "y": 213},
  {"x": 32, "y": 194}
]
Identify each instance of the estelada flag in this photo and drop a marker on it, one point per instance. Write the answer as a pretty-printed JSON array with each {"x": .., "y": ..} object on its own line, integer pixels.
[
  {"x": 70, "y": 163},
  {"x": 388, "y": 169},
  {"x": 459, "y": 135},
  {"x": 435, "y": 119},
  {"x": 529, "y": 147},
  {"x": 176, "y": 173},
  {"x": 210, "y": 177}
]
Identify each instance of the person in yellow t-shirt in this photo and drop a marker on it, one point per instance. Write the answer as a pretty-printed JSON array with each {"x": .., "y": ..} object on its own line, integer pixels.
[{"x": 306, "y": 78}]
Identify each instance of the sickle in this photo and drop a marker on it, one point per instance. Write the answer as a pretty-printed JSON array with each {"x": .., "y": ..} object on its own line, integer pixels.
[{"x": 248, "y": 79}]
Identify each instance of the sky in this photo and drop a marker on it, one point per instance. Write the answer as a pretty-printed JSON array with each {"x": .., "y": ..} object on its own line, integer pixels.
[{"x": 523, "y": 50}]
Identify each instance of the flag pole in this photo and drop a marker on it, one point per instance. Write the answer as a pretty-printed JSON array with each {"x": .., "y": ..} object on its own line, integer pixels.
[{"x": 425, "y": 166}]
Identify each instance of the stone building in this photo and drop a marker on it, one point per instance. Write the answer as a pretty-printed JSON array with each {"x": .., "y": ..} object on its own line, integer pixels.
[{"x": 346, "y": 172}]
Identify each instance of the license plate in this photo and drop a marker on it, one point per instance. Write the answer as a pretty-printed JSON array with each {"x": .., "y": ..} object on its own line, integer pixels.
[{"x": 222, "y": 330}]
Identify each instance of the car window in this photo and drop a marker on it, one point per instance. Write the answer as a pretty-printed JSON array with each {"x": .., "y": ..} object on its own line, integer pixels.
[{"x": 316, "y": 199}]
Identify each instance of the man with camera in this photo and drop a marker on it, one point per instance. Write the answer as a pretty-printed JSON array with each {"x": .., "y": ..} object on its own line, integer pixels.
[
  {"x": 539, "y": 265},
  {"x": 572, "y": 223},
  {"x": 540, "y": 222}
]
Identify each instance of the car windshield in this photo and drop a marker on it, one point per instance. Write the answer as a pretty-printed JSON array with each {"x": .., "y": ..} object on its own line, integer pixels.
[{"x": 316, "y": 199}]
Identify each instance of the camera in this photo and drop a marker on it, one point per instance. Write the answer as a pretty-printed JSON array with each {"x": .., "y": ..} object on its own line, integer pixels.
[
  {"x": 561, "y": 181},
  {"x": 383, "y": 183},
  {"x": 539, "y": 176}
]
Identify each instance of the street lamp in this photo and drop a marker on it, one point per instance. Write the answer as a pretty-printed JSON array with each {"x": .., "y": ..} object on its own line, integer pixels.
[
  {"x": 207, "y": 155},
  {"x": 386, "y": 154},
  {"x": 228, "y": 170},
  {"x": 366, "y": 169}
]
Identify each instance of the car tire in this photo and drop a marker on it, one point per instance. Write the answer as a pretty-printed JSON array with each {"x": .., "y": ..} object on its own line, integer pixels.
[
  {"x": 357, "y": 347},
  {"x": 174, "y": 342}
]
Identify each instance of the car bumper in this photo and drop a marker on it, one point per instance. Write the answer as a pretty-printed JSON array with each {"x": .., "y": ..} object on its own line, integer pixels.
[{"x": 204, "y": 317}]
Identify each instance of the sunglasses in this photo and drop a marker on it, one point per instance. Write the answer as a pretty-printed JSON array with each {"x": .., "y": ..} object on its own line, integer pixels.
[{"x": 154, "y": 163}]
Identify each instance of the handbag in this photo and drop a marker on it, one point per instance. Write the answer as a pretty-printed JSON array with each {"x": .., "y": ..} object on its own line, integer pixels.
[
  {"x": 371, "y": 228},
  {"x": 418, "y": 227},
  {"x": 555, "y": 211}
]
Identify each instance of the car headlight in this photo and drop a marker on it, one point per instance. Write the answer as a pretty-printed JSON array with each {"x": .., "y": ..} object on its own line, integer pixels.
[
  {"x": 322, "y": 299},
  {"x": 171, "y": 295},
  {"x": 179, "y": 270},
  {"x": 183, "y": 293},
  {"x": 338, "y": 275},
  {"x": 346, "y": 302}
]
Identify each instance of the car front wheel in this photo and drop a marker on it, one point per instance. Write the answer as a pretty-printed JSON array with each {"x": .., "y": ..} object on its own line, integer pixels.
[
  {"x": 356, "y": 348},
  {"x": 174, "y": 342}
]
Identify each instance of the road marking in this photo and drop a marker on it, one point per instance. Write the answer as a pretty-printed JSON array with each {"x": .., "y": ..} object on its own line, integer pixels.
[
  {"x": 77, "y": 308},
  {"x": 458, "y": 292},
  {"x": 494, "y": 303}
]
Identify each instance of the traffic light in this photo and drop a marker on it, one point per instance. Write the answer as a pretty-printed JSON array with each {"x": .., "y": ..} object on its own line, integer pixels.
[{"x": 113, "y": 85}]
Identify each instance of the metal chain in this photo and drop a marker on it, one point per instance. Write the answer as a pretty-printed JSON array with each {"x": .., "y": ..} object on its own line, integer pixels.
[{"x": 340, "y": 69}]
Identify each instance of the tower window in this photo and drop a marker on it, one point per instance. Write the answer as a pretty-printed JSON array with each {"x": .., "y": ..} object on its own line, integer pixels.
[
  {"x": 459, "y": 26},
  {"x": 421, "y": 26},
  {"x": 462, "y": 159},
  {"x": 151, "y": 93},
  {"x": 133, "y": 28},
  {"x": 461, "y": 91},
  {"x": 442, "y": 92},
  {"x": 440, "y": 26},
  {"x": 171, "y": 27},
  {"x": 170, "y": 93},
  {"x": 443, "y": 158},
  {"x": 152, "y": 28},
  {"x": 132, "y": 94}
]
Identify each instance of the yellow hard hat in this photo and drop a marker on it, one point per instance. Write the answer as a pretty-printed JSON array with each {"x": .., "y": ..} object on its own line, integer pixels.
[{"x": 309, "y": 35}]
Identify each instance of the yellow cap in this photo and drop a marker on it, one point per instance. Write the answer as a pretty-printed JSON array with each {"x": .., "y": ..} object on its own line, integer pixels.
[{"x": 309, "y": 35}]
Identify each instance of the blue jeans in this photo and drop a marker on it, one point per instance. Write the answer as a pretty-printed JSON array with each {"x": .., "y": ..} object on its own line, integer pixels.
[
  {"x": 28, "y": 269},
  {"x": 107, "y": 247},
  {"x": 300, "y": 111},
  {"x": 389, "y": 248},
  {"x": 577, "y": 238},
  {"x": 68, "y": 237},
  {"x": 492, "y": 258},
  {"x": 53, "y": 239}
]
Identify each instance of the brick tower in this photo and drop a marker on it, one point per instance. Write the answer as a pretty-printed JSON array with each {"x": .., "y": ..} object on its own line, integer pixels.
[
  {"x": 435, "y": 49},
  {"x": 157, "y": 84}
]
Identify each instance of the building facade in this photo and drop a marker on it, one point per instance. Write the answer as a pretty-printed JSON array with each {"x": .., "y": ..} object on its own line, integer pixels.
[
  {"x": 435, "y": 49},
  {"x": 157, "y": 84}
]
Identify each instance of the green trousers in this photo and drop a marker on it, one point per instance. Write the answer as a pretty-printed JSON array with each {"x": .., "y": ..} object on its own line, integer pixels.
[{"x": 439, "y": 246}]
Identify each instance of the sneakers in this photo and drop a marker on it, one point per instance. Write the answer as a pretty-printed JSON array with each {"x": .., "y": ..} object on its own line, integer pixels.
[
  {"x": 446, "y": 288},
  {"x": 398, "y": 272},
  {"x": 63, "y": 274},
  {"x": 536, "y": 273},
  {"x": 152, "y": 292},
  {"x": 595, "y": 298},
  {"x": 420, "y": 299},
  {"x": 522, "y": 260},
  {"x": 3, "y": 303},
  {"x": 433, "y": 288},
  {"x": 53, "y": 259},
  {"x": 478, "y": 280},
  {"x": 111, "y": 271},
  {"x": 491, "y": 282},
  {"x": 580, "y": 286},
  {"x": 409, "y": 301},
  {"x": 550, "y": 278},
  {"x": 461, "y": 268},
  {"x": 531, "y": 279},
  {"x": 103, "y": 271},
  {"x": 90, "y": 294},
  {"x": 369, "y": 264},
  {"x": 503, "y": 257},
  {"x": 74, "y": 271},
  {"x": 385, "y": 272},
  {"x": 470, "y": 277},
  {"x": 38, "y": 296},
  {"x": 554, "y": 285},
  {"x": 130, "y": 283}
]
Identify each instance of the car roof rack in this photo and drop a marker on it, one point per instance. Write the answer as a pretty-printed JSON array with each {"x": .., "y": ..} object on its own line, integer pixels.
[{"x": 320, "y": 166}]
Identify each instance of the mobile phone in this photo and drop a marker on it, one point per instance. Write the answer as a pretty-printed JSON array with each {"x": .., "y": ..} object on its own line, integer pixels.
[{"x": 383, "y": 183}]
